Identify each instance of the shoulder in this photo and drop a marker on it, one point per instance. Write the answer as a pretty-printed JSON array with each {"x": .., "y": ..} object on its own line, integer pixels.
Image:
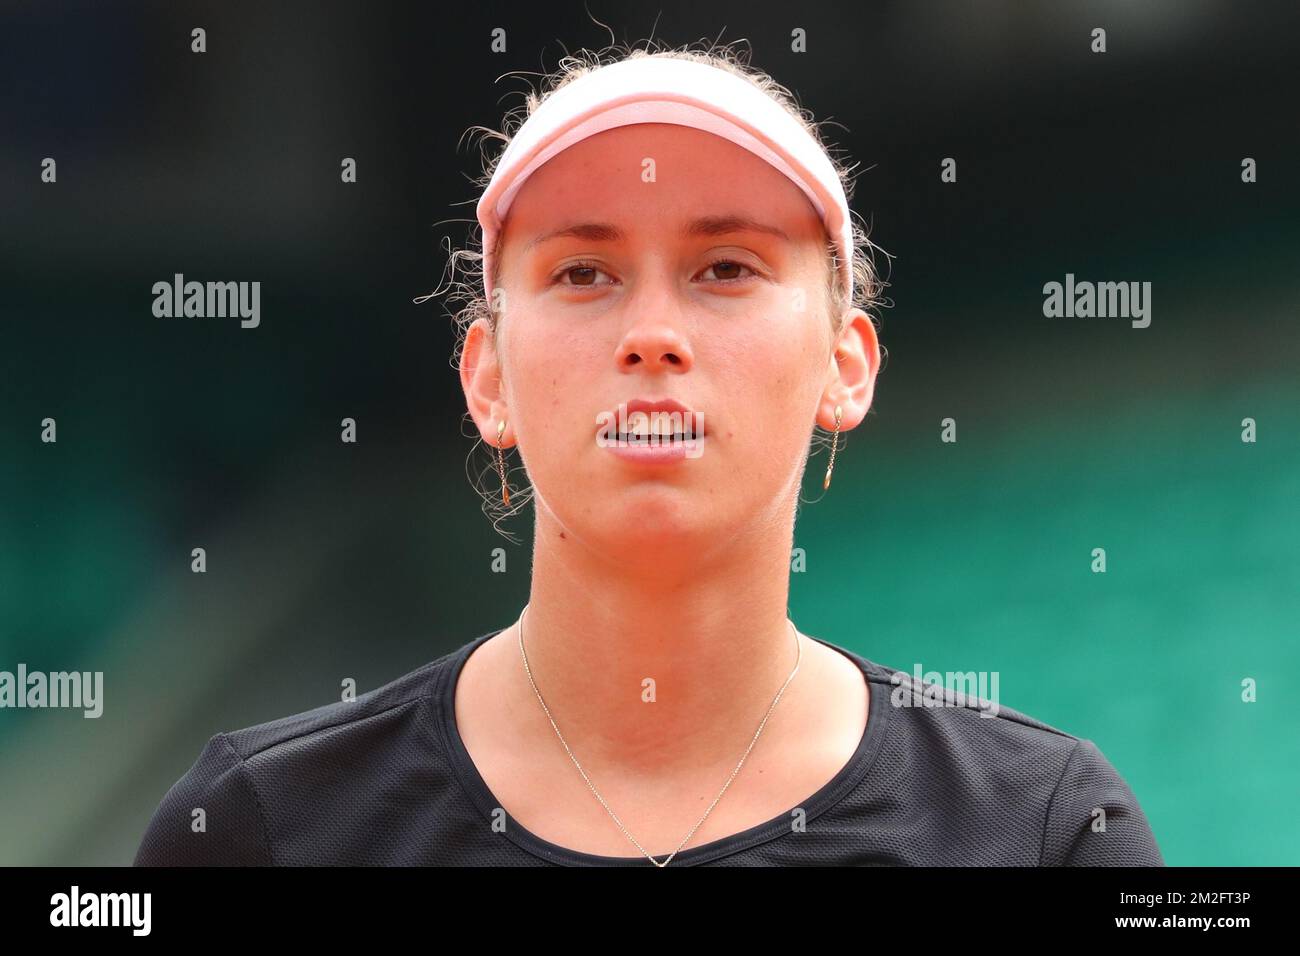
[
  {"x": 1009, "y": 779},
  {"x": 250, "y": 788}
]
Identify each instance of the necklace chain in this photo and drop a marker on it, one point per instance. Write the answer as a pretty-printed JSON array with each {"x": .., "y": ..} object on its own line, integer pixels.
[{"x": 592, "y": 786}]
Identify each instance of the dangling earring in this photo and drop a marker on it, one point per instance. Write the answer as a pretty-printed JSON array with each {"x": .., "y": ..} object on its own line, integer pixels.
[
  {"x": 501, "y": 464},
  {"x": 826, "y": 482}
]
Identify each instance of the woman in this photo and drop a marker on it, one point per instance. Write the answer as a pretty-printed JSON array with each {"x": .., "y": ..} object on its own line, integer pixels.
[{"x": 665, "y": 234}]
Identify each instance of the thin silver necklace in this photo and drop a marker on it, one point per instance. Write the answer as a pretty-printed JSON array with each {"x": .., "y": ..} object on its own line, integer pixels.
[{"x": 799, "y": 657}]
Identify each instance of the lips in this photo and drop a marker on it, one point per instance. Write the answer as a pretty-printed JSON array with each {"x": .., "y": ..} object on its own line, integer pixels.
[{"x": 691, "y": 423}]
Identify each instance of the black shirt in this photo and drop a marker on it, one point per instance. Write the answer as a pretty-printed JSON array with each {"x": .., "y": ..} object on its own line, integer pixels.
[{"x": 386, "y": 780}]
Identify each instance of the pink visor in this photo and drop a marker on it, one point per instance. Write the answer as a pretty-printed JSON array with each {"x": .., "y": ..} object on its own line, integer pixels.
[{"x": 655, "y": 89}]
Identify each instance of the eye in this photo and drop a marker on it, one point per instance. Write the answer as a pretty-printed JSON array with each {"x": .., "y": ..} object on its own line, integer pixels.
[
  {"x": 725, "y": 266},
  {"x": 583, "y": 275}
]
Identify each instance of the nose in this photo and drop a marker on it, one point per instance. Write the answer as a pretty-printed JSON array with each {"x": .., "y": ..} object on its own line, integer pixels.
[{"x": 655, "y": 340}]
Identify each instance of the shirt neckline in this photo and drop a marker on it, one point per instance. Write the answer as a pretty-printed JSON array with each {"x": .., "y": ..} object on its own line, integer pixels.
[{"x": 828, "y": 795}]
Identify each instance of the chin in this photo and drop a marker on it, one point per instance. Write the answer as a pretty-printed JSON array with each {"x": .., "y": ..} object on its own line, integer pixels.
[{"x": 659, "y": 521}]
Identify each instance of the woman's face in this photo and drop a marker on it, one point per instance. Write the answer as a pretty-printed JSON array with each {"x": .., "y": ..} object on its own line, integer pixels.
[{"x": 654, "y": 262}]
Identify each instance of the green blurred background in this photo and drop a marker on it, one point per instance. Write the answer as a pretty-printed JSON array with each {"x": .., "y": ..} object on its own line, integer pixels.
[{"x": 328, "y": 560}]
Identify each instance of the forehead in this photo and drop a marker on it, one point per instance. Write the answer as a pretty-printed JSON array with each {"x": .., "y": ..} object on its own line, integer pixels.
[{"x": 650, "y": 173}]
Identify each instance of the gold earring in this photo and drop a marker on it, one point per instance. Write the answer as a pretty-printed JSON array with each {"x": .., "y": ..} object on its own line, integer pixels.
[
  {"x": 826, "y": 482},
  {"x": 501, "y": 464}
]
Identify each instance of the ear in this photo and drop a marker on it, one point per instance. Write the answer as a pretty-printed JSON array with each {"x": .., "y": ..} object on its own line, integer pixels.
[
  {"x": 851, "y": 373},
  {"x": 480, "y": 377}
]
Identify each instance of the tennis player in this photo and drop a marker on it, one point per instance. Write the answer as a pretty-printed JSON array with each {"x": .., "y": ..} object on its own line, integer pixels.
[{"x": 670, "y": 297}]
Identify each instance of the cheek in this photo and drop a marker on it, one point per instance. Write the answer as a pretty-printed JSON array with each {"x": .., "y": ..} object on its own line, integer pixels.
[
  {"x": 768, "y": 385},
  {"x": 782, "y": 352},
  {"x": 546, "y": 368}
]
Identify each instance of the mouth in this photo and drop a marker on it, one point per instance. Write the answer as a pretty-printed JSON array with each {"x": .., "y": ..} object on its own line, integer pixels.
[
  {"x": 664, "y": 421},
  {"x": 656, "y": 449},
  {"x": 661, "y": 438},
  {"x": 653, "y": 432}
]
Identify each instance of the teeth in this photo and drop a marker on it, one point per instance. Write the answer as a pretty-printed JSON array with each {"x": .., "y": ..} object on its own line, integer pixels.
[
  {"x": 656, "y": 427},
  {"x": 660, "y": 426},
  {"x": 666, "y": 436}
]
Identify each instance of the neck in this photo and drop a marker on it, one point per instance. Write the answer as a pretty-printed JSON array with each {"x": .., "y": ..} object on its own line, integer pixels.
[{"x": 708, "y": 625}]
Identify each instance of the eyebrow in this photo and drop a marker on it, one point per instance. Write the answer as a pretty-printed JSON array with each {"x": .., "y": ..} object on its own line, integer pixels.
[{"x": 702, "y": 226}]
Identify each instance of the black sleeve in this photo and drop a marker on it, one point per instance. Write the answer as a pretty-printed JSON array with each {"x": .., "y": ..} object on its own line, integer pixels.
[
  {"x": 1074, "y": 834},
  {"x": 233, "y": 832}
]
